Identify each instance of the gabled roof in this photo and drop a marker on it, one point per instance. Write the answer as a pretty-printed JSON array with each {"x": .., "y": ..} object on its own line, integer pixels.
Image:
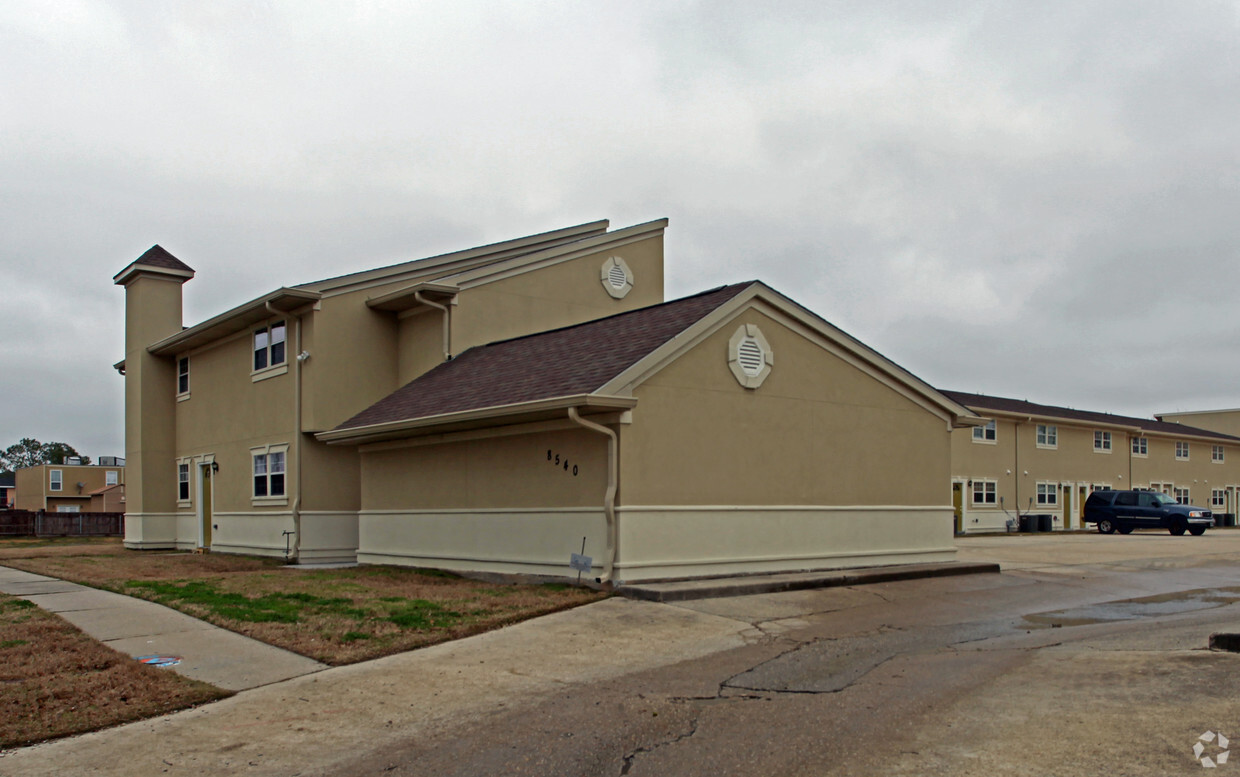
[
  {"x": 1019, "y": 407},
  {"x": 596, "y": 365},
  {"x": 569, "y": 362}
]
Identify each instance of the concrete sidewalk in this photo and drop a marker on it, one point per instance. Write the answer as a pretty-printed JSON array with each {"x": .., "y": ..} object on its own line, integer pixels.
[{"x": 140, "y": 628}]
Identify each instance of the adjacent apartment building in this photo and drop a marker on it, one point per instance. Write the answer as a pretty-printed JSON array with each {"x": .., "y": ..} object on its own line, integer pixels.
[
  {"x": 72, "y": 488},
  {"x": 1044, "y": 459},
  {"x": 492, "y": 409}
]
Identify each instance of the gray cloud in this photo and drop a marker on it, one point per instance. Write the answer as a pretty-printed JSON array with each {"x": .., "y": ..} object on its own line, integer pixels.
[{"x": 1036, "y": 201}]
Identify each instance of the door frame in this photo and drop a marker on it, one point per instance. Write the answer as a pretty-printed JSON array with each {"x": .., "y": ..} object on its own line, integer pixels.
[{"x": 206, "y": 501}]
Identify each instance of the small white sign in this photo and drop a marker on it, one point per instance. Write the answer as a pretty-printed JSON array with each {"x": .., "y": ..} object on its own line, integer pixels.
[{"x": 580, "y": 563}]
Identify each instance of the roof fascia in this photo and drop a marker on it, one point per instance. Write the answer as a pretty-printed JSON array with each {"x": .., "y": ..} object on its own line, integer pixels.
[
  {"x": 1162, "y": 416},
  {"x": 1013, "y": 415},
  {"x": 405, "y": 298},
  {"x": 428, "y": 424},
  {"x": 518, "y": 265},
  {"x": 234, "y": 320},
  {"x": 813, "y": 328},
  {"x": 135, "y": 269},
  {"x": 443, "y": 262}
]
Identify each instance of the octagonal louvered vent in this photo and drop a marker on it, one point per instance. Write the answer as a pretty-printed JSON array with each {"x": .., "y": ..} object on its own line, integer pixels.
[
  {"x": 749, "y": 356},
  {"x": 616, "y": 276}
]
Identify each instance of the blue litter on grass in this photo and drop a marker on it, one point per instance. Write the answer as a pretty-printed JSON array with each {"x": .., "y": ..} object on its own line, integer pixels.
[{"x": 159, "y": 660}]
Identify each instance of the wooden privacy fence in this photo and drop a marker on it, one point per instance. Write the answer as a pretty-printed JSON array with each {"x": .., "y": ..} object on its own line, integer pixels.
[{"x": 27, "y": 523}]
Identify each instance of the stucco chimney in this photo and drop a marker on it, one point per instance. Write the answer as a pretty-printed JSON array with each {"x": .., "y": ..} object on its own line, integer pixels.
[{"x": 152, "y": 312}]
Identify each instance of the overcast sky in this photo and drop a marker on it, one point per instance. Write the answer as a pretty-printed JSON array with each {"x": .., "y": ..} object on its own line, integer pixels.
[{"x": 1034, "y": 200}]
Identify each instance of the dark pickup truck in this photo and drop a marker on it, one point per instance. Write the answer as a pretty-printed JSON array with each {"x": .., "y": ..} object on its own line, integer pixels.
[{"x": 1123, "y": 511}]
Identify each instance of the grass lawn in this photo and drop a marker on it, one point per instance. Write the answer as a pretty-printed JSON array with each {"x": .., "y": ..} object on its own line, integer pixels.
[
  {"x": 56, "y": 681},
  {"x": 337, "y": 616}
]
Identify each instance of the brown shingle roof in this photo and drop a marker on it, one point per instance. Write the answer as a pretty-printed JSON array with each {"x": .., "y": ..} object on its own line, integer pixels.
[
  {"x": 982, "y": 402},
  {"x": 575, "y": 360},
  {"x": 156, "y": 256}
]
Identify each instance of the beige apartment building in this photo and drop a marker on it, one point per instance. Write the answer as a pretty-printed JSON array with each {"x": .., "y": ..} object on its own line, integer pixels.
[
  {"x": 1043, "y": 459},
  {"x": 69, "y": 488},
  {"x": 494, "y": 408}
]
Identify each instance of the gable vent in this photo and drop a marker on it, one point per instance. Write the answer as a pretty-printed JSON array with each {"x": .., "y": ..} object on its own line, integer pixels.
[
  {"x": 749, "y": 354},
  {"x": 616, "y": 277}
]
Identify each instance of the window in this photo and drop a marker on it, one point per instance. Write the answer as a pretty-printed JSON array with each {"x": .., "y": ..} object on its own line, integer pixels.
[
  {"x": 1140, "y": 446},
  {"x": 1099, "y": 487},
  {"x": 1218, "y": 498},
  {"x": 1216, "y": 455},
  {"x": 1048, "y": 494},
  {"x": 1048, "y": 436},
  {"x": 1181, "y": 451},
  {"x": 68, "y": 509},
  {"x": 984, "y": 492},
  {"x": 55, "y": 480},
  {"x": 183, "y": 481},
  {"x": 1102, "y": 442},
  {"x": 269, "y": 346},
  {"x": 987, "y": 433},
  {"x": 268, "y": 472},
  {"x": 110, "y": 478},
  {"x": 1181, "y": 495},
  {"x": 183, "y": 375}
]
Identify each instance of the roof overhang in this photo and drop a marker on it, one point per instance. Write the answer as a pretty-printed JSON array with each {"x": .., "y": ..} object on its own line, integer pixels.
[
  {"x": 137, "y": 269},
  {"x": 498, "y": 415},
  {"x": 414, "y": 296},
  {"x": 280, "y": 301}
]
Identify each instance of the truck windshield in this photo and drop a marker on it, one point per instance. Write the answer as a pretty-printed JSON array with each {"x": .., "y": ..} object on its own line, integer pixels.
[{"x": 1162, "y": 500}]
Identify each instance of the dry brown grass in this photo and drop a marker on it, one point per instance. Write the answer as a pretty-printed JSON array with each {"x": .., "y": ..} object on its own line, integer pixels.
[
  {"x": 56, "y": 681},
  {"x": 337, "y": 616}
]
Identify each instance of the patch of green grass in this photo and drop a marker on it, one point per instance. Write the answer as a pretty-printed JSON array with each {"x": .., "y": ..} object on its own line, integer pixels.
[
  {"x": 423, "y": 614},
  {"x": 268, "y": 608},
  {"x": 436, "y": 573},
  {"x": 8, "y": 643},
  {"x": 23, "y": 604},
  {"x": 353, "y": 636},
  {"x": 391, "y": 598},
  {"x": 556, "y": 586}
]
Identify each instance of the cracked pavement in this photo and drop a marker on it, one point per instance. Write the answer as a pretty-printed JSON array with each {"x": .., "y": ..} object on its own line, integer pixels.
[{"x": 938, "y": 676}]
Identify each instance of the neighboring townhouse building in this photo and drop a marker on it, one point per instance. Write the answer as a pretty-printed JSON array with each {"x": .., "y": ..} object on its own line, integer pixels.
[
  {"x": 8, "y": 490},
  {"x": 1044, "y": 459},
  {"x": 1225, "y": 421},
  {"x": 65, "y": 488},
  {"x": 109, "y": 499},
  {"x": 490, "y": 409}
]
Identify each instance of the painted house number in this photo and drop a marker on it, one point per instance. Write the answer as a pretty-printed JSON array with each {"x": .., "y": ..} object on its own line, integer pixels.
[{"x": 559, "y": 461}]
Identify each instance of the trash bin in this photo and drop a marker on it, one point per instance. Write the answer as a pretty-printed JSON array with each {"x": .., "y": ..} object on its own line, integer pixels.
[
  {"x": 1046, "y": 523},
  {"x": 1225, "y": 519},
  {"x": 1028, "y": 523}
]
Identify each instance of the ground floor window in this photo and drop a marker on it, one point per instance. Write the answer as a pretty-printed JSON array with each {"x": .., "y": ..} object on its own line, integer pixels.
[
  {"x": 68, "y": 509},
  {"x": 269, "y": 468},
  {"x": 1181, "y": 496},
  {"x": 183, "y": 482},
  {"x": 1048, "y": 494},
  {"x": 985, "y": 492},
  {"x": 1218, "y": 498}
]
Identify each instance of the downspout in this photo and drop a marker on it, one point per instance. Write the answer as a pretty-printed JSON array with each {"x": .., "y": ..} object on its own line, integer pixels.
[
  {"x": 447, "y": 323},
  {"x": 609, "y": 498},
  {"x": 295, "y": 551}
]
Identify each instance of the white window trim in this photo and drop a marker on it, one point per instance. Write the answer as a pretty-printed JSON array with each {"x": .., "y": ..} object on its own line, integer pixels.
[
  {"x": 112, "y": 477},
  {"x": 1051, "y": 430},
  {"x": 183, "y": 395},
  {"x": 271, "y": 370},
  {"x": 56, "y": 480},
  {"x": 1218, "y": 454},
  {"x": 188, "y": 463},
  {"x": 1215, "y": 500},
  {"x": 973, "y": 492},
  {"x": 982, "y": 439},
  {"x": 749, "y": 332},
  {"x": 1051, "y": 490},
  {"x": 612, "y": 263},
  {"x": 1110, "y": 440},
  {"x": 1187, "y": 450},
  {"x": 269, "y": 501},
  {"x": 1132, "y": 443}
]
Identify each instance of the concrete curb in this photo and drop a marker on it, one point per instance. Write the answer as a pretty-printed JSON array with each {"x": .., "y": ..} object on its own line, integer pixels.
[{"x": 713, "y": 588}]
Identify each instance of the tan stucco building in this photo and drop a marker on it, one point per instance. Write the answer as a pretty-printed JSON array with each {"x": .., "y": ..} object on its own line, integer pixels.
[
  {"x": 1044, "y": 459},
  {"x": 68, "y": 488},
  {"x": 493, "y": 408}
]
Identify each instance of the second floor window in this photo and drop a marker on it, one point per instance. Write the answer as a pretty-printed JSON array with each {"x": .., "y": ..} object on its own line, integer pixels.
[
  {"x": 1048, "y": 436},
  {"x": 1140, "y": 446},
  {"x": 1217, "y": 454},
  {"x": 269, "y": 346},
  {"x": 1102, "y": 441},
  {"x": 56, "y": 480},
  {"x": 1181, "y": 451},
  {"x": 985, "y": 433},
  {"x": 183, "y": 375},
  {"x": 110, "y": 478}
]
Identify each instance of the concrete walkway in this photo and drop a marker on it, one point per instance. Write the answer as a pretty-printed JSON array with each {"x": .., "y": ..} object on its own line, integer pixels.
[{"x": 140, "y": 628}]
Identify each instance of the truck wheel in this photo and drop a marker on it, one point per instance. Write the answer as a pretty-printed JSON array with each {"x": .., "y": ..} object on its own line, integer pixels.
[
  {"x": 1105, "y": 526},
  {"x": 1124, "y": 529},
  {"x": 1178, "y": 528},
  {"x": 1196, "y": 531}
]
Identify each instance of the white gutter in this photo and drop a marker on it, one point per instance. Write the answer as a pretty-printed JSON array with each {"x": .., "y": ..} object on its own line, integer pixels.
[
  {"x": 609, "y": 498},
  {"x": 447, "y": 323}
]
